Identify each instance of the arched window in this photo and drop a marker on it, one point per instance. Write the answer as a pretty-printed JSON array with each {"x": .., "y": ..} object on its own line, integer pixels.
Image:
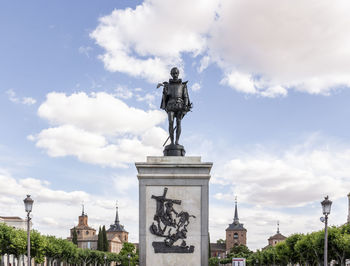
[
  {"x": 87, "y": 232},
  {"x": 235, "y": 235}
]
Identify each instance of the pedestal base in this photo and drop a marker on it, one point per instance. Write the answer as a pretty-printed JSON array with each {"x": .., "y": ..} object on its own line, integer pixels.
[
  {"x": 174, "y": 150},
  {"x": 168, "y": 184}
]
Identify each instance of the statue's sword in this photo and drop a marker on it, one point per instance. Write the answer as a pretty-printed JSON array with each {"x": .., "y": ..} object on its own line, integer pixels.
[{"x": 169, "y": 136}]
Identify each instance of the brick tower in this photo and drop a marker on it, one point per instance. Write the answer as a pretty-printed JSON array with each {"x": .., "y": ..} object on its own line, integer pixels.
[{"x": 236, "y": 234}]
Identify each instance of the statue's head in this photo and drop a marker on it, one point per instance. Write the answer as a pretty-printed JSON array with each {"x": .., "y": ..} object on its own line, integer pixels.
[{"x": 174, "y": 73}]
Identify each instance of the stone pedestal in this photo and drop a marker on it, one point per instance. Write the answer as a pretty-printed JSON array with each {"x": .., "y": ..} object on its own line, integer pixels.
[{"x": 173, "y": 211}]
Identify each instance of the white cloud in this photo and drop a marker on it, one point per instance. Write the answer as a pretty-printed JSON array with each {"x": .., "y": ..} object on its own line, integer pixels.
[
  {"x": 296, "y": 177},
  {"x": 246, "y": 83},
  {"x": 241, "y": 82},
  {"x": 99, "y": 129},
  {"x": 148, "y": 98},
  {"x": 148, "y": 40},
  {"x": 196, "y": 87},
  {"x": 204, "y": 63},
  {"x": 98, "y": 112},
  {"x": 289, "y": 44},
  {"x": 50, "y": 204},
  {"x": 85, "y": 50},
  {"x": 264, "y": 48},
  {"x": 28, "y": 100},
  {"x": 124, "y": 93},
  {"x": 24, "y": 100},
  {"x": 124, "y": 184}
]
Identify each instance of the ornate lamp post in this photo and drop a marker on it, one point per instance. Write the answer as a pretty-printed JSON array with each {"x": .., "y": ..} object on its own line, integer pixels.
[
  {"x": 326, "y": 208},
  {"x": 129, "y": 256},
  {"x": 105, "y": 259},
  {"x": 28, "y": 205}
]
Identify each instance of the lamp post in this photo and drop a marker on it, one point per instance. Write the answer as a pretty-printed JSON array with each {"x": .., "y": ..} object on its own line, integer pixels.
[
  {"x": 28, "y": 205},
  {"x": 326, "y": 208},
  {"x": 105, "y": 260},
  {"x": 129, "y": 256}
]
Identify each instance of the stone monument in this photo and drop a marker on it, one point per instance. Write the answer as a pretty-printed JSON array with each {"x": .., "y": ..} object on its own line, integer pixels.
[
  {"x": 173, "y": 194},
  {"x": 176, "y": 103}
]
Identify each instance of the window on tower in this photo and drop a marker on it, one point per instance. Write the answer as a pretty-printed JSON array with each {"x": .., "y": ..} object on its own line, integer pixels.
[{"x": 235, "y": 235}]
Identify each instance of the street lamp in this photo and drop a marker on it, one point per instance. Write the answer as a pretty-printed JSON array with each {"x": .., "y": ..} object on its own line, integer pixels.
[
  {"x": 105, "y": 259},
  {"x": 129, "y": 256},
  {"x": 28, "y": 205},
  {"x": 326, "y": 208}
]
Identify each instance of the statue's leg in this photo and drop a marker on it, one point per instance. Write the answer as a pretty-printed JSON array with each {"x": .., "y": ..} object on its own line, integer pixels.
[
  {"x": 178, "y": 129},
  {"x": 171, "y": 126}
]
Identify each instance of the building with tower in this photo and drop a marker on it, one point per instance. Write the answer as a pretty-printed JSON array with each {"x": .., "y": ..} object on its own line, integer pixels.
[
  {"x": 236, "y": 234},
  {"x": 276, "y": 238},
  {"x": 87, "y": 237},
  {"x": 117, "y": 233}
]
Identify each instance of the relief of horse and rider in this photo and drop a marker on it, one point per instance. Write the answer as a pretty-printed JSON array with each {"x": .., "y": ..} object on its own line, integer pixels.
[{"x": 171, "y": 225}]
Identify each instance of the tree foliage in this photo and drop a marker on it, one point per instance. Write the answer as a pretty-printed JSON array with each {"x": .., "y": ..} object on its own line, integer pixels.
[
  {"x": 75, "y": 237},
  {"x": 104, "y": 239},
  {"x": 99, "y": 239},
  {"x": 302, "y": 249},
  {"x": 14, "y": 241}
]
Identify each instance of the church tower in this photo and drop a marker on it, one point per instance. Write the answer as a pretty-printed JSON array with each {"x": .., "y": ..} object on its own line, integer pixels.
[
  {"x": 117, "y": 229},
  {"x": 86, "y": 235},
  {"x": 276, "y": 238},
  {"x": 236, "y": 234}
]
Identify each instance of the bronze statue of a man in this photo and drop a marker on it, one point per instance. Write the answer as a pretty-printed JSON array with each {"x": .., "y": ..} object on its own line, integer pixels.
[{"x": 175, "y": 102}]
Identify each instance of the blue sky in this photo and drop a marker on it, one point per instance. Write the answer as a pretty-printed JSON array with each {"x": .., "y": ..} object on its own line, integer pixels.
[{"x": 79, "y": 105}]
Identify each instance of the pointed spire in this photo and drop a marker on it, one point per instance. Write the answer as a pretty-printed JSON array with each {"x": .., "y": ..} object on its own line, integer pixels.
[
  {"x": 116, "y": 221},
  {"x": 278, "y": 227},
  {"x": 236, "y": 220}
]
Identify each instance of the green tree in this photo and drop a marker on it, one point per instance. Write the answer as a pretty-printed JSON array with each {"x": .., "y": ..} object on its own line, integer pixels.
[
  {"x": 282, "y": 253},
  {"x": 304, "y": 247},
  {"x": 339, "y": 244},
  {"x": 213, "y": 261},
  {"x": 12, "y": 241},
  {"x": 85, "y": 256},
  {"x": 104, "y": 239},
  {"x": 99, "y": 240},
  {"x": 75, "y": 237},
  {"x": 293, "y": 256},
  {"x": 128, "y": 249},
  {"x": 53, "y": 249},
  {"x": 220, "y": 241},
  {"x": 240, "y": 251},
  {"x": 37, "y": 246}
]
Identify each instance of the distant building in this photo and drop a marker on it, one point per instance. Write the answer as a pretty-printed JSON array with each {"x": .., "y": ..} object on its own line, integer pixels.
[
  {"x": 116, "y": 234},
  {"x": 276, "y": 238},
  {"x": 15, "y": 222},
  {"x": 218, "y": 250},
  {"x": 236, "y": 234},
  {"x": 87, "y": 237}
]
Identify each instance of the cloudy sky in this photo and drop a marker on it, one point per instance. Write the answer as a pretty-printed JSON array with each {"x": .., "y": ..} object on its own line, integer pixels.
[{"x": 270, "y": 85}]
